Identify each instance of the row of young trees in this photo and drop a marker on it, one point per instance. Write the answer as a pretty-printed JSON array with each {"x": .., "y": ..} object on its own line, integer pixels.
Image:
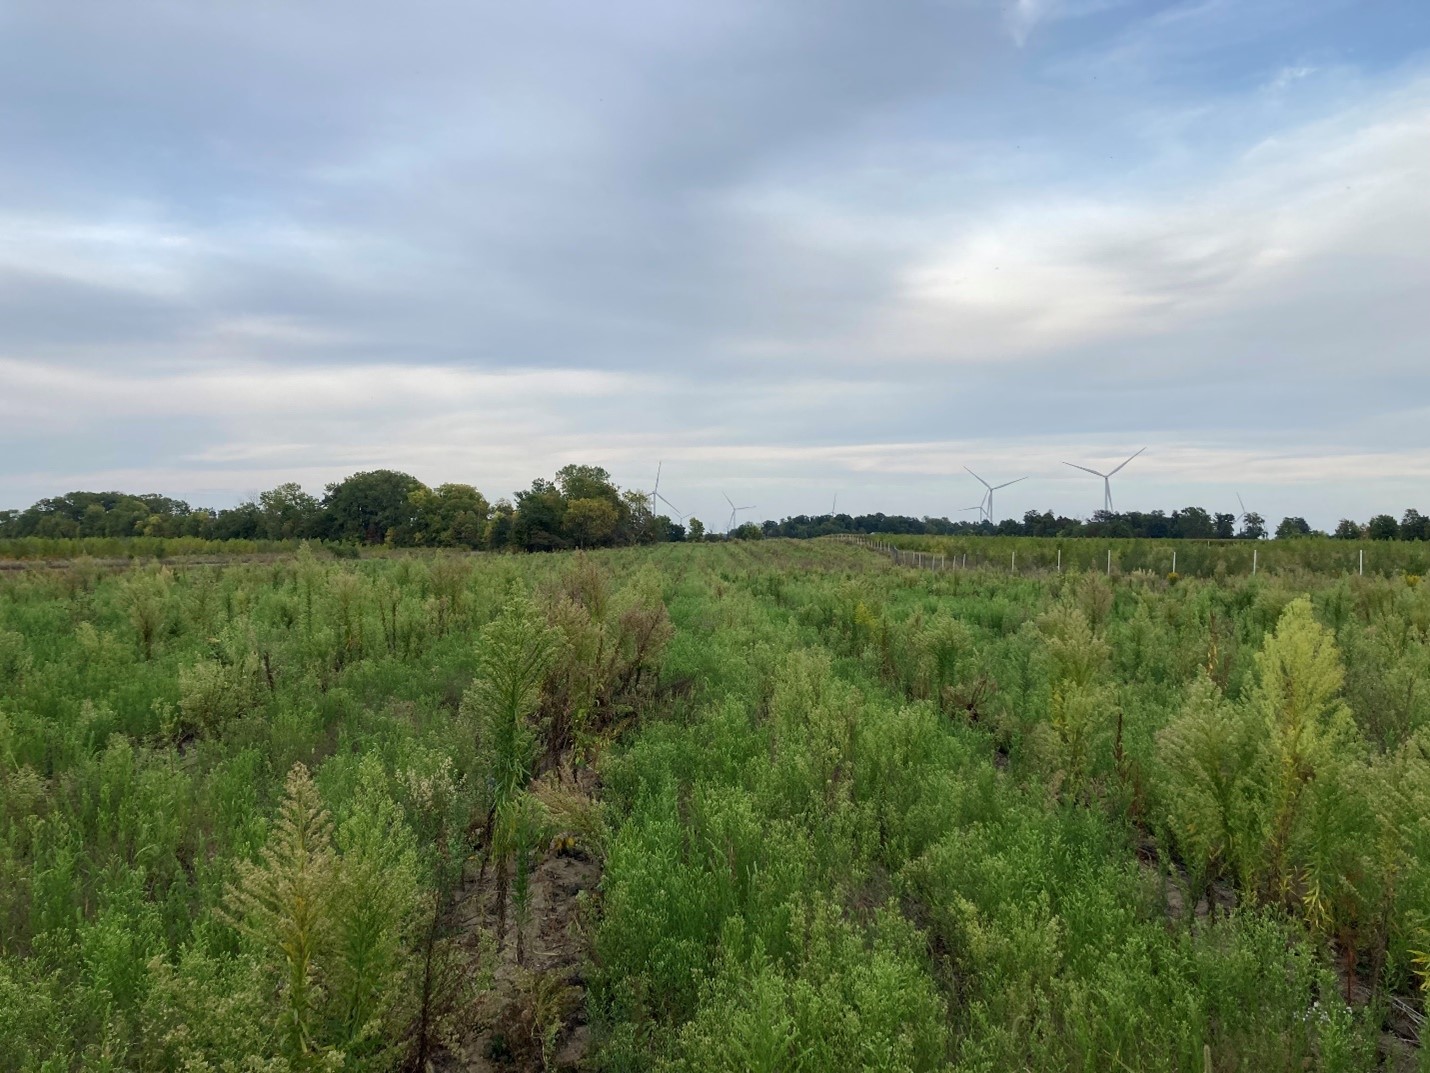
[{"x": 284, "y": 817}]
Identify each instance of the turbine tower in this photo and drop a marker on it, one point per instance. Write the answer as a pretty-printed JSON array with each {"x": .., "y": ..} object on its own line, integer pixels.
[
  {"x": 982, "y": 514},
  {"x": 1106, "y": 479},
  {"x": 991, "y": 489},
  {"x": 734, "y": 514},
  {"x": 655, "y": 493}
]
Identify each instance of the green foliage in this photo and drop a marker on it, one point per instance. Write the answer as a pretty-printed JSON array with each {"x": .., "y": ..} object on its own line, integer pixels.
[
  {"x": 283, "y": 906},
  {"x": 366, "y": 507},
  {"x": 1211, "y": 785},
  {"x": 843, "y": 1003},
  {"x": 848, "y": 814},
  {"x": 514, "y": 654},
  {"x": 1308, "y": 729}
]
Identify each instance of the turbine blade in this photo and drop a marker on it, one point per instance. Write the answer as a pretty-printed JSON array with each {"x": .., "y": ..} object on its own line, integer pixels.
[
  {"x": 1006, "y": 483},
  {"x": 1128, "y": 460},
  {"x": 1086, "y": 470},
  {"x": 977, "y": 478},
  {"x": 729, "y": 500}
]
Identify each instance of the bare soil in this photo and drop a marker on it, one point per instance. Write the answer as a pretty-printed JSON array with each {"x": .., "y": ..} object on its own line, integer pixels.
[{"x": 532, "y": 1017}]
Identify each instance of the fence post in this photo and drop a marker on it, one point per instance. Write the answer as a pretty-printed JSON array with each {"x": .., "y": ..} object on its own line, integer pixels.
[
  {"x": 1109, "y": 562},
  {"x": 1362, "y": 562},
  {"x": 1253, "y": 562},
  {"x": 1174, "y": 561},
  {"x": 1060, "y": 560},
  {"x": 1013, "y": 566}
]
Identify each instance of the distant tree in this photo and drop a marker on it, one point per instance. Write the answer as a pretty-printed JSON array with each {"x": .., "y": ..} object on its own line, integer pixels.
[
  {"x": 1192, "y": 523},
  {"x": 1347, "y": 530},
  {"x": 636, "y": 524},
  {"x": 697, "y": 530},
  {"x": 590, "y": 522},
  {"x": 1291, "y": 528},
  {"x": 1035, "y": 524},
  {"x": 288, "y": 512},
  {"x": 586, "y": 482},
  {"x": 451, "y": 516},
  {"x": 748, "y": 531},
  {"x": 540, "y": 513},
  {"x": 1224, "y": 526},
  {"x": 1383, "y": 527},
  {"x": 367, "y": 506},
  {"x": 501, "y": 527},
  {"x": 1253, "y": 526},
  {"x": 243, "y": 522},
  {"x": 1414, "y": 526}
]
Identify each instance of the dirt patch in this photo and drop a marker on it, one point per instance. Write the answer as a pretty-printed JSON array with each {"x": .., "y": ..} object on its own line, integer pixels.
[{"x": 532, "y": 1017}]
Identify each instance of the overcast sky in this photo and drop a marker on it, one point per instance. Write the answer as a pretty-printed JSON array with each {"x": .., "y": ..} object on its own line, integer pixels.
[{"x": 792, "y": 249}]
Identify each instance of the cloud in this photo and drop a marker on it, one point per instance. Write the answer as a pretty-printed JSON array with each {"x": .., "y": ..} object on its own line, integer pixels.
[
  {"x": 1289, "y": 75},
  {"x": 1055, "y": 272},
  {"x": 794, "y": 244}
]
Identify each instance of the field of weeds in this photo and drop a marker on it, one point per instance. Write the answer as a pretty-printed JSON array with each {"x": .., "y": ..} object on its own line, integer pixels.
[{"x": 750, "y": 806}]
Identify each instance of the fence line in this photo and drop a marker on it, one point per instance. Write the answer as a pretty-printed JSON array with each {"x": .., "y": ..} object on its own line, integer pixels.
[{"x": 942, "y": 561}]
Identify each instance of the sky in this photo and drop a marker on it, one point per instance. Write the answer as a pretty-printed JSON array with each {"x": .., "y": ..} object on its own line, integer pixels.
[{"x": 790, "y": 252}]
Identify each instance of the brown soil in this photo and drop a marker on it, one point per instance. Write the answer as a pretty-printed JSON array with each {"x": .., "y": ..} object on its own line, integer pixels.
[{"x": 532, "y": 1017}]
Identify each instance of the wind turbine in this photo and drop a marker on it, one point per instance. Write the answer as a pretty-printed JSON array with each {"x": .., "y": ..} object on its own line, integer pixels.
[
  {"x": 1106, "y": 479},
  {"x": 655, "y": 494},
  {"x": 991, "y": 489},
  {"x": 734, "y": 514},
  {"x": 979, "y": 508}
]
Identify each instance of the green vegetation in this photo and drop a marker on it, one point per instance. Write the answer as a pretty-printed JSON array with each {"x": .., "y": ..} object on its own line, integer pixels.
[
  {"x": 1298, "y": 560},
  {"x": 311, "y": 813},
  {"x": 579, "y": 508}
]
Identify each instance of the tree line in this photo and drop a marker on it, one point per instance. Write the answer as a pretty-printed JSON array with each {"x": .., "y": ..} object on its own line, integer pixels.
[
  {"x": 1189, "y": 523},
  {"x": 580, "y": 508}
]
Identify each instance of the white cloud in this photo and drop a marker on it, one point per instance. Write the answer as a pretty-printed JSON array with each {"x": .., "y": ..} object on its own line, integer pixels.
[
  {"x": 1289, "y": 75},
  {"x": 266, "y": 400},
  {"x": 1054, "y": 272}
]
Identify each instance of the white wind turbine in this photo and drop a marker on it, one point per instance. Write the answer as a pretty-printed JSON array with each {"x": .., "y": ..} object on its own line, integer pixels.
[
  {"x": 979, "y": 508},
  {"x": 655, "y": 494},
  {"x": 734, "y": 514},
  {"x": 988, "y": 496},
  {"x": 1241, "y": 518},
  {"x": 1106, "y": 479}
]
